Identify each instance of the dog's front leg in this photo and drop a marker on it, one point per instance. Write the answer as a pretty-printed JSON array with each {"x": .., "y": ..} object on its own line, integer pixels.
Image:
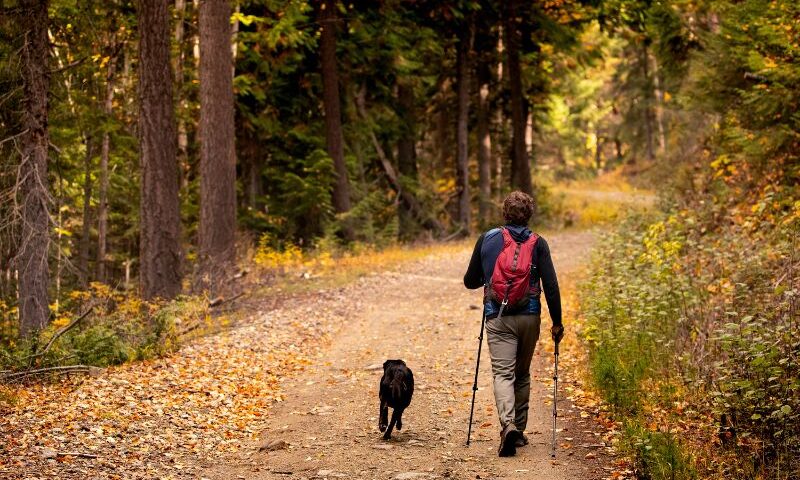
[
  {"x": 399, "y": 419},
  {"x": 383, "y": 417}
]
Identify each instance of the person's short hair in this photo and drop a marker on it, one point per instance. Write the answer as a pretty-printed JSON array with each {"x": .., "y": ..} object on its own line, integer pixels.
[{"x": 517, "y": 208}]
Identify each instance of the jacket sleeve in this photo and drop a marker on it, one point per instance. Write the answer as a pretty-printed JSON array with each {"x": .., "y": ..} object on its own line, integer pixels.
[
  {"x": 547, "y": 273},
  {"x": 474, "y": 277}
]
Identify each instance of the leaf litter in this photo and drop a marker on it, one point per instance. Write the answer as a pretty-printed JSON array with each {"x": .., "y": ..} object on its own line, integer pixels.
[{"x": 177, "y": 416}]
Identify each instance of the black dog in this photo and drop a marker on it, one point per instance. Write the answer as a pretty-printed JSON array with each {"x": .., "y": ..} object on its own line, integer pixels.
[{"x": 397, "y": 387}]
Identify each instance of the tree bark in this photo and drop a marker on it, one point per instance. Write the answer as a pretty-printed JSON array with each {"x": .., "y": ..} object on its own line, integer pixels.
[
  {"x": 462, "y": 130},
  {"x": 333, "y": 117},
  {"x": 659, "y": 108},
  {"x": 83, "y": 249},
  {"x": 34, "y": 198},
  {"x": 648, "y": 103},
  {"x": 406, "y": 150},
  {"x": 250, "y": 156},
  {"x": 105, "y": 151},
  {"x": 159, "y": 245},
  {"x": 520, "y": 163},
  {"x": 484, "y": 147},
  {"x": 500, "y": 120},
  {"x": 183, "y": 135},
  {"x": 217, "y": 146}
]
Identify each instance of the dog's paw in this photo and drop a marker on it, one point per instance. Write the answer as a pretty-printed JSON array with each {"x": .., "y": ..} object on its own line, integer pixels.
[
  {"x": 386, "y": 436},
  {"x": 382, "y": 427},
  {"x": 399, "y": 425}
]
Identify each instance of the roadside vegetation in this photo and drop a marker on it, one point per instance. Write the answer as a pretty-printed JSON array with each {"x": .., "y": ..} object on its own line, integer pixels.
[{"x": 691, "y": 312}]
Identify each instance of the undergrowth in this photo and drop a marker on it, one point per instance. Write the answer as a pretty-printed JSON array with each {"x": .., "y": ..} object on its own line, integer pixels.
[
  {"x": 120, "y": 328},
  {"x": 327, "y": 265},
  {"x": 693, "y": 340},
  {"x": 587, "y": 204}
]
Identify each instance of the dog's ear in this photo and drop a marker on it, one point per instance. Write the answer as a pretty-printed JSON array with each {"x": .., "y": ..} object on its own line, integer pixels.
[{"x": 386, "y": 364}]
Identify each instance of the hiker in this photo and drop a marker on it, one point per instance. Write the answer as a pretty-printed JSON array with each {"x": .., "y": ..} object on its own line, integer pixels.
[{"x": 513, "y": 329}]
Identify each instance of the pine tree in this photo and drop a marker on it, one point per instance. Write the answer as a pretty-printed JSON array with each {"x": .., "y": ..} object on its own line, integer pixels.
[
  {"x": 520, "y": 163},
  {"x": 34, "y": 198},
  {"x": 160, "y": 250},
  {"x": 333, "y": 117},
  {"x": 217, "y": 149}
]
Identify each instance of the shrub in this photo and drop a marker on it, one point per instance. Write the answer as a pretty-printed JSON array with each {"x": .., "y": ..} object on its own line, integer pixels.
[
  {"x": 657, "y": 455},
  {"x": 120, "y": 328},
  {"x": 684, "y": 300}
]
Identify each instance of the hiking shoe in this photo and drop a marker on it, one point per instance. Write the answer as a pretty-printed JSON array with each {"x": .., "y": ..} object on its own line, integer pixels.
[
  {"x": 521, "y": 441},
  {"x": 508, "y": 441}
]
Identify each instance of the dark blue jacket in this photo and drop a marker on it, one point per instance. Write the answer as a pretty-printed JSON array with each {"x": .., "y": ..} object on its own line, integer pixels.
[{"x": 481, "y": 266}]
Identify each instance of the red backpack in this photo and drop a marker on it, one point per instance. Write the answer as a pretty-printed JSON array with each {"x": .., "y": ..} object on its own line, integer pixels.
[{"x": 511, "y": 279}]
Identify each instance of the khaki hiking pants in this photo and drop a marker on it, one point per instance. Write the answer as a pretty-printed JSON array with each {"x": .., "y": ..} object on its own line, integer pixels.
[{"x": 512, "y": 340}]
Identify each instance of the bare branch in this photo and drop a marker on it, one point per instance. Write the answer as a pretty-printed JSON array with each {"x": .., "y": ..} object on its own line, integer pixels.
[
  {"x": 62, "y": 332},
  {"x": 69, "y": 65},
  {"x": 62, "y": 370}
]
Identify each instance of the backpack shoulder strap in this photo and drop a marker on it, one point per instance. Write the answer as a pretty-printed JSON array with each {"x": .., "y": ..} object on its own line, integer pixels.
[{"x": 534, "y": 239}]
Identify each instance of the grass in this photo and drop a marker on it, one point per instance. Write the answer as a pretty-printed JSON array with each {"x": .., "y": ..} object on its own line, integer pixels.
[
  {"x": 656, "y": 455},
  {"x": 589, "y": 203},
  {"x": 299, "y": 271}
]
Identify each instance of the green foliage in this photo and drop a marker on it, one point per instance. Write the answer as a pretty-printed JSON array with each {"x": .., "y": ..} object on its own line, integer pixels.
[
  {"x": 656, "y": 455},
  {"x": 670, "y": 302},
  {"x": 632, "y": 310},
  {"x": 121, "y": 328},
  {"x": 97, "y": 345}
]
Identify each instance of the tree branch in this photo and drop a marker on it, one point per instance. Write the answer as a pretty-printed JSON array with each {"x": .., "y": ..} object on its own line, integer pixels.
[
  {"x": 68, "y": 66},
  {"x": 61, "y": 332},
  {"x": 66, "y": 369}
]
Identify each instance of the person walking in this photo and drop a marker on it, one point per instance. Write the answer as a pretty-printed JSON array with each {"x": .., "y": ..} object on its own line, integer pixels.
[{"x": 503, "y": 259}]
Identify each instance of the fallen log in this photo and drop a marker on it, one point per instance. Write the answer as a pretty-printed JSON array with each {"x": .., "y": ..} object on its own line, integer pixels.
[{"x": 60, "y": 370}]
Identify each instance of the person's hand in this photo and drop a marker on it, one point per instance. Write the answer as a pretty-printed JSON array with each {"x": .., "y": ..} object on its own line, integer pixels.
[{"x": 558, "y": 332}]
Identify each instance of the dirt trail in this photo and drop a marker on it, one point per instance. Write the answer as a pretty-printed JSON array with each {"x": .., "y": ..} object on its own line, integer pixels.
[
  {"x": 304, "y": 374},
  {"x": 425, "y": 316}
]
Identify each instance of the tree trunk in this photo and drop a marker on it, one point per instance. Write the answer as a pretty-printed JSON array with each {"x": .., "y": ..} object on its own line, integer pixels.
[
  {"x": 83, "y": 248},
  {"x": 443, "y": 125},
  {"x": 105, "y": 150},
  {"x": 183, "y": 135},
  {"x": 407, "y": 151},
  {"x": 500, "y": 120},
  {"x": 250, "y": 156},
  {"x": 217, "y": 150},
  {"x": 484, "y": 149},
  {"x": 159, "y": 245},
  {"x": 333, "y": 117},
  {"x": 598, "y": 151},
  {"x": 34, "y": 198},
  {"x": 520, "y": 164},
  {"x": 648, "y": 104},
  {"x": 462, "y": 131},
  {"x": 659, "y": 108}
]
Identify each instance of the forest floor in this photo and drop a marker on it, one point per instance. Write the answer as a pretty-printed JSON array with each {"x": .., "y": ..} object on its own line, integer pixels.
[{"x": 291, "y": 391}]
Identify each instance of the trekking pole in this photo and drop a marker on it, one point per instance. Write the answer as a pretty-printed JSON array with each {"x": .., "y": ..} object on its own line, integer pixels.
[
  {"x": 555, "y": 399},
  {"x": 475, "y": 384}
]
